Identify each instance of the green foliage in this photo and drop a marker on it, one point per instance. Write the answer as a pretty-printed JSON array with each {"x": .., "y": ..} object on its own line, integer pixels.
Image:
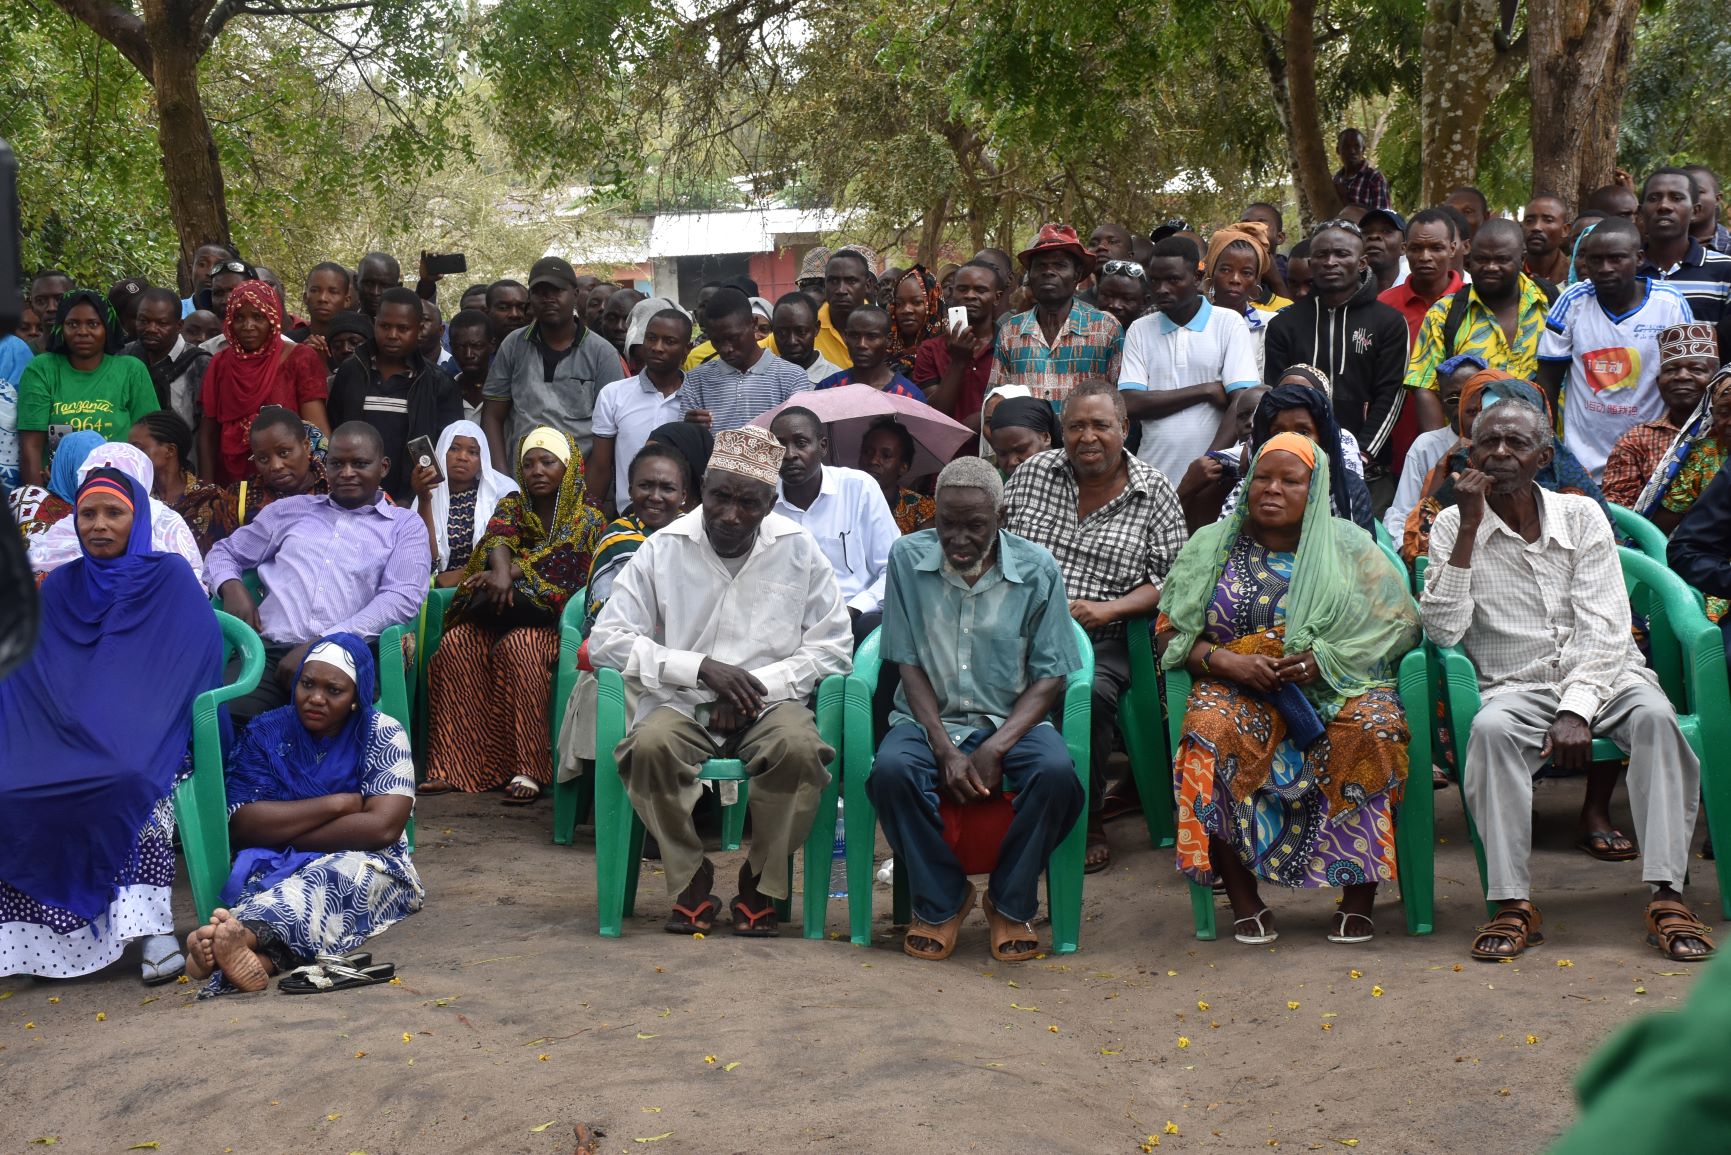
[{"x": 1677, "y": 109}]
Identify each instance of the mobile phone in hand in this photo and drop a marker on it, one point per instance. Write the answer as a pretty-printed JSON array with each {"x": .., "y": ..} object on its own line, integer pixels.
[
  {"x": 446, "y": 264},
  {"x": 958, "y": 318},
  {"x": 421, "y": 455}
]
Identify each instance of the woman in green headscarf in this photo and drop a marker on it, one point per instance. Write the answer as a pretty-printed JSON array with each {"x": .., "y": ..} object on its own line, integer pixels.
[
  {"x": 488, "y": 682},
  {"x": 1292, "y": 623}
]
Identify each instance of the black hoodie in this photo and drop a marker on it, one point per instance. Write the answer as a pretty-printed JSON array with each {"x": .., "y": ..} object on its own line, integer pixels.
[{"x": 1362, "y": 346}]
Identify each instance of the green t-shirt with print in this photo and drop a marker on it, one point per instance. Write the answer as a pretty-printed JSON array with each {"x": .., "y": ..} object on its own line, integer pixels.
[{"x": 109, "y": 398}]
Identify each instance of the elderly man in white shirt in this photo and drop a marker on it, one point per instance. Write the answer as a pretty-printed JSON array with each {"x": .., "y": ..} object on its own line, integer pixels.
[
  {"x": 844, "y": 509},
  {"x": 724, "y": 623},
  {"x": 1529, "y": 582}
]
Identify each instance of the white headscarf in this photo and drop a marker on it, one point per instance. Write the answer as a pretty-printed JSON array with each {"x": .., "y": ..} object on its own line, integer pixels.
[
  {"x": 169, "y": 533},
  {"x": 637, "y": 324},
  {"x": 1006, "y": 392},
  {"x": 491, "y": 485}
]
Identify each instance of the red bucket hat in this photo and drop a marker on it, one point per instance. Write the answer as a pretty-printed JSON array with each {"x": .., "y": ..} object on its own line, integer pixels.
[{"x": 1056, "y": 238}]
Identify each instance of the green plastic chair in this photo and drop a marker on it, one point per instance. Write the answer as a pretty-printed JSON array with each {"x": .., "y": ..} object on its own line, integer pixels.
[
  {"x": 200, "y": 801},
  {"x": 396, "y": 679},
  {"x": 1648, "y": 538},
  {"x": 1415, "y": 815},
  {"x": 1382, "y": 536},
  {"x": 1687, "y": 654},
  {"x": 619, "y": 832},
  {"x": 1063, "y": 870},
  {"x": 429, "y": 630},
  {"x": 573, "y": 801},
  {"x": 1140, "y": 711}
]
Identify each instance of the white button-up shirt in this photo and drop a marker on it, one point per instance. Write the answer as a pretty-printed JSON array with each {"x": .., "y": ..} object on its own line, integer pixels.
[
  {"x": 674, "y": 604},
  {"x": 1549, "y": 614},
  {"x": 854, "y": 527}
]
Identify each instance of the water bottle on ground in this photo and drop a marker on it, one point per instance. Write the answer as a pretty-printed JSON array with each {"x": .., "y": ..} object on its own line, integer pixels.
[{"x": 838, "y": 857}]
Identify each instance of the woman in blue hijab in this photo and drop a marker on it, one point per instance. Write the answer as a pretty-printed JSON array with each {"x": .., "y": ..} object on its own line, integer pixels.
[
  {"x": 97, "y": 725},
  {"x": 319, "y": 794}
]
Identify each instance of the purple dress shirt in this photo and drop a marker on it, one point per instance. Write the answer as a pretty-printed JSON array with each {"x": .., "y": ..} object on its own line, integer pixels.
[{"x": 328, "y": 569}]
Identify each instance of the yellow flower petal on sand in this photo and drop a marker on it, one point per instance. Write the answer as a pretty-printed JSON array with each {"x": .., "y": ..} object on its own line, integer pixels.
[
  {"x": 1053, "y": 1028},
  {"x": 542, "y": 1127},
  {"x": 100, "y": 1017},
  {"x": 1149, "y": 1143},
  {"x": 1291, "y": 1004},
  {"x": 408, "y": 1038},
  {"x": 1201, "y": 1005},
  {"x": 51, "y": 998},
  {"x": 653, "y": 1138},
  {"x": 1563, "y": 962},
  {"x": 1171, "y": 1128},
  {"x": 709, "y": 1058},
  {"x": 1532, "y": 1040},
  {"x": 730, "y": 1066},
  {"x": 1354, "y": 974},
  {"x": 1183, "y": 1042},
  {"x": 1376, "y": 992}
]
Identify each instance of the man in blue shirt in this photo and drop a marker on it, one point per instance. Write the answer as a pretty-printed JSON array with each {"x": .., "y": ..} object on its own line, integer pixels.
[{"x": 977, "y": 621}]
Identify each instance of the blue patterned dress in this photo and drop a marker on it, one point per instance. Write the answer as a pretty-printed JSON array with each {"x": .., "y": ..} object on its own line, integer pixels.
[{"x": 338, "y": 901}]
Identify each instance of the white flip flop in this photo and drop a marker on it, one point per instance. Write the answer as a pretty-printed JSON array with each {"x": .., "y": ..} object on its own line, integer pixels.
[{"x": 1262, "y": 936}]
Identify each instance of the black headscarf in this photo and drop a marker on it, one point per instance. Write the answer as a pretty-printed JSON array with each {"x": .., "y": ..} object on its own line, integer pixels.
[
  {"x": 1347, "y": 491},
  {"x": 1028, "y": 413},
  {"x": 688, "y": 439},
  {"x": 114, "y": 337}
]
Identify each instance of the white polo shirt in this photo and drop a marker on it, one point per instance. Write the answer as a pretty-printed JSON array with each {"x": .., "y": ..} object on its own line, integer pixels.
[
  {"x": 854, "y": 528},
  {"x": 628, "y": 411},
  {"x": 1214, "y": 345}
]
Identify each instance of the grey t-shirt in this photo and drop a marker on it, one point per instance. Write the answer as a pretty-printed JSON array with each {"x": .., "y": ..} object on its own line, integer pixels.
[{"x": 566, "y": 401}]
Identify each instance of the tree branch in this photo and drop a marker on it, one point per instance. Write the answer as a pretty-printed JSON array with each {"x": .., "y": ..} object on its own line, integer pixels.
[
  {"x": 119, "y": 26},
  {"x": 227, "y": 10}
]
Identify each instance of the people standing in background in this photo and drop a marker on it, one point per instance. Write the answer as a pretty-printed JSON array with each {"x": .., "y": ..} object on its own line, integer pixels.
[{"x": 1357, "y": 182}]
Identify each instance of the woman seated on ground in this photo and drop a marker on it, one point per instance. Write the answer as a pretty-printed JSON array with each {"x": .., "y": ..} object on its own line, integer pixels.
[
  {"x": 490, "y": 678},
  {"x": 97, "y": 725},
  {"x": 36, "y": 507},
  {"x": 1294, "y": 747},
  {"x": 661, "y": 488},
  {"x": 285, "y": 463},
  {"x": 1564, "y": 474},
  {"x": 168, "y": 532},
  {"x": 1020, "y": 427},
  {"x": 1692, "y": 460},
  {"x": 255, "y": 369},
  {"x": 319, "y": 793},
  {"x": 166, "y": 438},
  {"x": 457, "y": 509},
  {"x": 887, "y": 453},
  {"x": 1429, "y": 447}
]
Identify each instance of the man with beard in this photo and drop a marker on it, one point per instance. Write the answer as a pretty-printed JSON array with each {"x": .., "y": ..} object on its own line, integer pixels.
[{"x": 1546, "y": 223}]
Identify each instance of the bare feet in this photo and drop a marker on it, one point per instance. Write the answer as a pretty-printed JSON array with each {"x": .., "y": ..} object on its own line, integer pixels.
[
  {"x": 201, "y": 952},
  {"x": 233, "y": 946}
]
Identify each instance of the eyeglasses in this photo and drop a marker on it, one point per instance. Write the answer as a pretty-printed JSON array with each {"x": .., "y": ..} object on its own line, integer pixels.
[
  {"x": 1123, "y": 269},
  {"x": 1338, "y": 223},
  {"x": 232, "y": 267}
]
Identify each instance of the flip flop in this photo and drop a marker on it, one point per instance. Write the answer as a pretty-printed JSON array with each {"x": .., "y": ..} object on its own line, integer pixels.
[
  {"x": 164, "y": 968},
  {"x": 1598, "y": 843},
  {"x": 521, "y": 781},
  {"x": 1005, "y": 931},
  {"x": 748, "y": 923},
  {"x": 318, "y": 980},
  {"x": 699, "y": 919},
  {"x": 944, "y": 933},
  {"x": 434, "y": 786}
]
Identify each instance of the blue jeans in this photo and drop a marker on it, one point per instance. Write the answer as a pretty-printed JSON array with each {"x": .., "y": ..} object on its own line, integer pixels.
[{"x": 904, "y": 786}]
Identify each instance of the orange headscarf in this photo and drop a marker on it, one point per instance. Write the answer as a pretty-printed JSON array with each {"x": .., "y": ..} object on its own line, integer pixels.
[
  {"x": 1253, "y": 233},
  {"x": 1296, "y": 444}
]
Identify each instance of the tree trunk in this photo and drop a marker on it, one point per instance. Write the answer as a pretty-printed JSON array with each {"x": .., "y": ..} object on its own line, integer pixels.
[
  {"x": 1466, "y": 62},
  {"x": 932, "y": 232},
  {"x": 1311, "y": 170},
  {"x": 1579, "y": 67},
  {"x": 191, "y": 168}
]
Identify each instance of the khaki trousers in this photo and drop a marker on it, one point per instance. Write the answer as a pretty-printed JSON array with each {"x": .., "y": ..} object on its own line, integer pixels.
[{"x": 784, "y": 757}]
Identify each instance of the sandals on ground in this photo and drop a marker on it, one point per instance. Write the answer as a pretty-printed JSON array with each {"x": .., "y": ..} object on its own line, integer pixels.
[
  {"x": 164, "y": 967},
  {"x": 331, "y": 974},
  {"x": 1668, "y": 921},
  {"x": 699, "y": 919},
  {"x": 748, "y": 923},
  {"x": 1518, "y": 925},
  {"x": 943, "y": 934},
  {"x": 1260, "y": 933},
  {"x": 431, "y": 786},
  {"x": 1604, "y": 845},
  {"x": 1006, "y": 931},
  {"x": 1343, "y": 921},
  {"x": 521, "y": 782}
]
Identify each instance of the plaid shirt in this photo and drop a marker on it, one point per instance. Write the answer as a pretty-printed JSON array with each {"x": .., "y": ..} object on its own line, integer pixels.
[
  {"x": 1634, "y": 458},
  {"x": 1369, "y": 188},
  {"x": 1090, "y": 343},
  {"x": 1128, "y": 542}
]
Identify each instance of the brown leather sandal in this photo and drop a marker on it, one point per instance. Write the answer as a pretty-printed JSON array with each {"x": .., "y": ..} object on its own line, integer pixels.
[
  {"x": 1518, "y": 925},
  {"x": 1006, "y": 931},
  {"x": 943, "y": 934},
  {"x": 1668, "y": 921}
]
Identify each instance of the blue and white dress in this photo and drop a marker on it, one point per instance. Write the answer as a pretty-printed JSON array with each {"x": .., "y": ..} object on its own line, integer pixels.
[{"x": 332, "y": 903}]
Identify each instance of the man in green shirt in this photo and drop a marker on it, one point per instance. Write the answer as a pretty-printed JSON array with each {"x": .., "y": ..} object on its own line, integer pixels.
[
  {"x": 977, "y": 621},
  {"x": 80, "y": 382}
]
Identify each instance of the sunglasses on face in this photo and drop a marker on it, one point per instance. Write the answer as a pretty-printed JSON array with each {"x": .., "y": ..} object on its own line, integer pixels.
[{"x": 1123, "y": 268}]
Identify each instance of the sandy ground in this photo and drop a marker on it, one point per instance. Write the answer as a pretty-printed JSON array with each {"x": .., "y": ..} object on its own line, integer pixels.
[{"x": 514, "y": 1022}]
